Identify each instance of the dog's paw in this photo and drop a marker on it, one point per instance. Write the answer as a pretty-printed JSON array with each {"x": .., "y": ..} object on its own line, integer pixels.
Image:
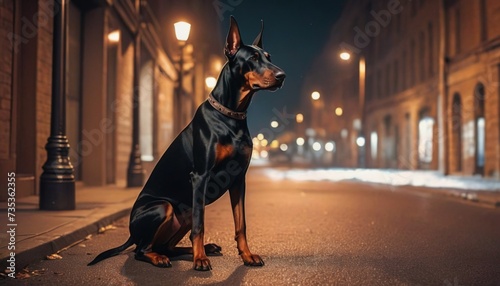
[
  {"x": 252, "y": 260},
  {"x": 156, "y": 259},
  {"x": 202, "y": 264},
  {"x": 212, "y": 249}
]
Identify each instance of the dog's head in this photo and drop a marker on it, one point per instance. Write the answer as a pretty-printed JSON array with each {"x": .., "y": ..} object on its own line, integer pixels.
[{"x": 252, "y": 62}]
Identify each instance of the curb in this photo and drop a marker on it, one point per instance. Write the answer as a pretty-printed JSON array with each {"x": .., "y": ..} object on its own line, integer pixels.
[{"x": 73, "y": 232}]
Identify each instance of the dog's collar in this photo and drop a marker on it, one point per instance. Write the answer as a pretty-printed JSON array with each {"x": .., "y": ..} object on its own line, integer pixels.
[{"x": 224, "y": 110}]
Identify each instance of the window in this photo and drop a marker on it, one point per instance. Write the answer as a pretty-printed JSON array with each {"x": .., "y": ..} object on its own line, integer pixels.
[
  {"x": 412, "y": 62},
  {"x": 431, "y": 49},
  {"x": 456, "y": 130},
  {"x": 480, "y": 142},
  {"x": 396, "y": 76},
  {"x": 425, "y": 134},
  {"x": 479, "y": 110},
  {"x": 403, "y": 71},
  {"x": 457, "y": 30},
  {"x": 421, "y": 57},
  {"x": 388, "y": 86},
  {"x": 373, "y": 145},
  {"x": 146, "y": 111}
]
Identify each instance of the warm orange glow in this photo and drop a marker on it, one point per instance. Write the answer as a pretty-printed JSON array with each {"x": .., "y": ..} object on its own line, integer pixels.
[{"x": 299, "y": 117}]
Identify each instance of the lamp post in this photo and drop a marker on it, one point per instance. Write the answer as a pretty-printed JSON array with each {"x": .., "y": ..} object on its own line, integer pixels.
[
  {"x": 135, "y": 173},
  {"x": 345, "y": 56},
  {"x": 182, "y": 30},
  {"x": 57, "y": 182}
]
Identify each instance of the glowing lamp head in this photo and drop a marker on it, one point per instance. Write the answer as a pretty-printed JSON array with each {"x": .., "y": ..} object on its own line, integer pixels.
[
  {"x": 345, "y": 56},
  {"x": 182, "y": 30}
]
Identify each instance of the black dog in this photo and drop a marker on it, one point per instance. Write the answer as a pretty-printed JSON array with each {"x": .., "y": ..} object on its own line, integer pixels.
[{"x": 210, "y": 156}]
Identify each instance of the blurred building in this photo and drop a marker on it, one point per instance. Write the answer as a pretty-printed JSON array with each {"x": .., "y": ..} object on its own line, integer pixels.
[
  {"x": 421, "y": 86},
  {"x": 99, "y": 83}
]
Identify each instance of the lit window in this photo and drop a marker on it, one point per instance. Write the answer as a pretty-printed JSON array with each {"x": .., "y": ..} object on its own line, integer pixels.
[
  {"x": 373, "y": 144},
  {"x": 425, "y": 132},
  {"x": 480, "y": 142},
  {"x": 146, "y": 111}
]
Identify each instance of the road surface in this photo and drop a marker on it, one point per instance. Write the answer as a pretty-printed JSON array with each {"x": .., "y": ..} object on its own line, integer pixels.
[{"x": 313, "y": 233}]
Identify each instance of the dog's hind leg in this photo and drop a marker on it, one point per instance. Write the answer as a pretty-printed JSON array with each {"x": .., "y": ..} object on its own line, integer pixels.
[
  {"x": 156, "y": 225},
  {"x": 171, "y": 250}
]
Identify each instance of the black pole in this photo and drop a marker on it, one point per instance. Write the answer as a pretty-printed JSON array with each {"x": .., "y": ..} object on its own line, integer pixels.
[
  {"x": 57, "y": 182},
  {"x": 135, "y": 174},
  {"x": 180, "y": 79}
]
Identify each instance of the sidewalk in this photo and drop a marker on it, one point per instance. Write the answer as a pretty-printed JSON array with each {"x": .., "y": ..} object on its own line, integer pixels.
[{"x": 41, "y": 233}]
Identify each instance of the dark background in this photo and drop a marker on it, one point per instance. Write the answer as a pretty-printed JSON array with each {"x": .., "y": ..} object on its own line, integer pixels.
[{"x": 294, "y": 34}]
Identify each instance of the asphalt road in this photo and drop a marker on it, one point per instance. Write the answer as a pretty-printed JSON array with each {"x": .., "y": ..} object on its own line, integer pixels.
[{"x": 315, "y": 233}]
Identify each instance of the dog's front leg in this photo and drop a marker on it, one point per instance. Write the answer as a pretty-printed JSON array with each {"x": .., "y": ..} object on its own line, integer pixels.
[
  {"x": 200, "y": 259},
  {"x": 237, "y": 195}
]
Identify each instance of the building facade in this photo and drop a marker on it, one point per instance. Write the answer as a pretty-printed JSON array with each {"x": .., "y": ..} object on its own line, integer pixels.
[
  {"x": 423, "y": 79},
  {"x": 101, "y": 49}
]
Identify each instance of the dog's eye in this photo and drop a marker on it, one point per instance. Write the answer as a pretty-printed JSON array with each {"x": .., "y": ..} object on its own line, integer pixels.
[{"x": 255, "y": 57}]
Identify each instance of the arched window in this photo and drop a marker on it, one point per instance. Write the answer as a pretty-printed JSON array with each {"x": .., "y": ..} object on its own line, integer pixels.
[
  {"x": 456, "y": 131},
  {"x": 425, "y": 137},
  {"x": 479, "y": 126}
]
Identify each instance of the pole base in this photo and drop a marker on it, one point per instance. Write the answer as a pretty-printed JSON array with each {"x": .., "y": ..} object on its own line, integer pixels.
[
  {"x": 57, "y": 195},
  {"x": 135, "y": 179}
]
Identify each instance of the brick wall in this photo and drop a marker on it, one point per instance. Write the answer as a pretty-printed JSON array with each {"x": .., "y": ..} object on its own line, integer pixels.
[
  {"x": 6, "y": 27},
  {"x": 43, "y": 86}
]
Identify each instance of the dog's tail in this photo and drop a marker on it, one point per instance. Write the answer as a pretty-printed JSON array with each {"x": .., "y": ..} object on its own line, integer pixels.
[{"x": 112, "y": 251}]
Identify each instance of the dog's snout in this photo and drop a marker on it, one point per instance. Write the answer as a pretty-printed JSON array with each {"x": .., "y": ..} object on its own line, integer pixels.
[{"x": 280, "y": 75}]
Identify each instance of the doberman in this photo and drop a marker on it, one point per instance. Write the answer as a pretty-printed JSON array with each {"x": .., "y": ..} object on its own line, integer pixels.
[{"x": 210, "y": 156}]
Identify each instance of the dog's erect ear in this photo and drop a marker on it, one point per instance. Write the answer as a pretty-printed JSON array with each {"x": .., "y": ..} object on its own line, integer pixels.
[
  {"x": 258, "y": 40},
  {"x": 233, "y": 41}
]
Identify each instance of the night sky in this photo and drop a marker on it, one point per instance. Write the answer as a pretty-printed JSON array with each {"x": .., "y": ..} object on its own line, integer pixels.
[{"x": 294, "y": 33}]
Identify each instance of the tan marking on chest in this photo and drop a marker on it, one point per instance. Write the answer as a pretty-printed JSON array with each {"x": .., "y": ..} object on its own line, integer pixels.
[{"x": 223, "y": 151}]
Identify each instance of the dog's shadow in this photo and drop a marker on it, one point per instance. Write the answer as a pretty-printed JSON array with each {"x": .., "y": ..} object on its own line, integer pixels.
[{"x": 144, "y": 273}]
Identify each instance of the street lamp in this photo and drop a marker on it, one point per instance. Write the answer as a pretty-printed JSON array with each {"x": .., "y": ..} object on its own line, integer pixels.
[
  {"x": 315, "y": 95},
  {"x": 339, "y": 111},
  {"x": 345, "y": 56},
  {"x": 182, "y": 30},
  {"x": 210, "y": 82},
  {"x": 57, "y": 182},
  {"x": 299, "y": 117},
  {"x": 362, "y": 89}
]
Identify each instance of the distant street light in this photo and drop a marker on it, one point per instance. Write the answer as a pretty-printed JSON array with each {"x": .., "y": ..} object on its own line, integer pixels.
[
  {"x": 330, "y": 146},
  {"x": 316, "y": 146},
  {"x": 360, "y": 141},
  {"x": 283, "y": 147},
  {"x": 315, "y": 95},
  {"x": 210, "y": 82},
  {"x": 339, "y": 111},
  {"x": 274, "y": 124},
  {"x": 299, "y": 117},
  {"x": 345, "y": 56},
  {"x": 300, "y": 141}
]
